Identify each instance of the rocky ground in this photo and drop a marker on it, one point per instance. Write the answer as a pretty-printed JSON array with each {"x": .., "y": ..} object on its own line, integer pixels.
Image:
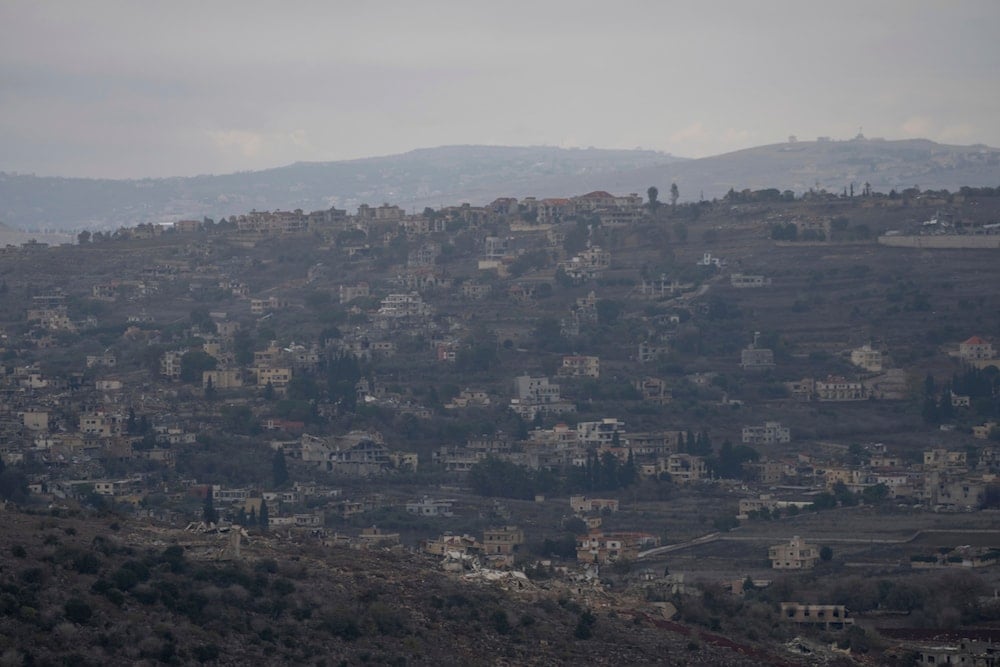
[{"x": 82, "y": 591}]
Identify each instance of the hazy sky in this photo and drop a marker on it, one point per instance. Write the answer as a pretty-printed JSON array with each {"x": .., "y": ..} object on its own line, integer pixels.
[{"x": 159, "y": 88}]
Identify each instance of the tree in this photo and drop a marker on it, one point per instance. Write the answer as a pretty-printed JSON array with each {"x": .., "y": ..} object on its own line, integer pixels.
[
  {"x": 77, "y": 611},
  {"x": 680, "y": 232},
  {"x": 83, "y": 237},
  {"x": 825, "y": 554},
  {"x": 653, "y": 193},
  {"x": 208, "y": 513},
  {"x": 279, "y": 469},
  {"x": 608, "y": 311},
  {"x": 264, "y": 516},
  {"x": 585, "y": 626},
  {"x": 675, "y": 194},
  {"x": 194, "y": 363}
]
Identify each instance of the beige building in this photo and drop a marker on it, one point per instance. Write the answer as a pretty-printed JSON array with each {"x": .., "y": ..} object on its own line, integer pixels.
[
  {"x": 686, "y": 468},
  {"x": 976, "y": 349},
  {"x": 867, "y": 358},
  {"x": 828, "y": 615},
  {"x": 581, "y": 366},
  {"x": 836, "y": 388},
  {"x": 502, "y": 541},
  {"x": 796, "y": 555},
  {"x": 583, "y": 504}
]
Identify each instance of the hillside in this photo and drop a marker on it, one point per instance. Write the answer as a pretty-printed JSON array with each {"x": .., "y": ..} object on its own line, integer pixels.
[
  {"x": 829, "y": 165},
  {"x": 103, "y": 591},
  {"x": 434, "y": 177},
  {"x": 478, "y": 174}
]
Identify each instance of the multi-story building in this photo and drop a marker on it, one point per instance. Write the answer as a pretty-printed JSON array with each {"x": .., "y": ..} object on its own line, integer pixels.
[
  {"x": 686, "y": 468},
  {"x": 976, "y": 349},
  {"x": 769, "y": 433},
  {"x": 796, "y": 555},
  {"x": 867, "y": 358},
  {"x": 502, "y": 541},
  {"x": 581, "y": 366},
  {"x": 836, "y": 388}
]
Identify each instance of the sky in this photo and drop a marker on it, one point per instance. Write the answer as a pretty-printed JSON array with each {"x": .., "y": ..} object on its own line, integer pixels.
[{"x": 143, "y": 88}]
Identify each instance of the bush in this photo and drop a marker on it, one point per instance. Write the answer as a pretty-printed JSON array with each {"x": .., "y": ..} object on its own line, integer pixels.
[
  {"x": 500, "y": 622},
  {"x": 585, "y": 625},
  {"x": 86, "y": 563},
  {"x": 206, "y": 652},
  {"x": 125, "y": 578},
  {"x": 77, "y": 611}
]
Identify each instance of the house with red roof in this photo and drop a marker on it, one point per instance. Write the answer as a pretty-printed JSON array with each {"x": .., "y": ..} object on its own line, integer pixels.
[{"x": 976, "y": 349}]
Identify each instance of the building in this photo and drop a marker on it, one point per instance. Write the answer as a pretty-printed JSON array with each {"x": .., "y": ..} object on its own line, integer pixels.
[
  {"x": 867, "y": 358},
  {"x": 600, "y": 547},
  {"x": 796, "y": 555},
  {"x": 403, "y": 305},
  {"x": 830, "y": 616},
  {"x": 836, "y": 388},
  {"x": 348, "y": 293},
  {"x": 744, "y": 281},
  {"x": 502, "y": 541},
  {"x": 581, "y": 366},
  {"x": 583, "y": 504},
  {"x": 754, "y": 358},
  {"x": 536, "y": 395},
  {"x": 608, "y": 431},
  {"x": 653, "y": 389},
  {"x": 770, "y": 433},
  {"x": 430, "y": 507},
  {"x": 941, "y": 459},
  {"x": 529, "y": 389},
  {"x": 686, "y": 468},
  {"x": 975, "y": 349}
]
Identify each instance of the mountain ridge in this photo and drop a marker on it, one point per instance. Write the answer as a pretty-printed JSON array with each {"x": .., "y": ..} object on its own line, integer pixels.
[{"x": 477, "y": 174}]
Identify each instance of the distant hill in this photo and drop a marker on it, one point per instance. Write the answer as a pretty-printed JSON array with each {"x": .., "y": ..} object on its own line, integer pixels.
[
  {"x": 829, "y": 165},
  {"x": 477, "y": 174},
  {"x": 425, "y": 177}
]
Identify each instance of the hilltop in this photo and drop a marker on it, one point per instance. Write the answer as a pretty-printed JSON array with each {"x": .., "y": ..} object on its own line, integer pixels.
[{"x": 478, "y": 174}]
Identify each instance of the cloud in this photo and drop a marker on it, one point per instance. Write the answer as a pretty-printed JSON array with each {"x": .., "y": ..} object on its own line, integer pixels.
[
  {"x": 961, "y": 133},
  {"x": 693, "y": 132},
  {"x": 917, "y": 126},
  {"x": 267, "y": 145},
  {"x": 247, "y": 144}
]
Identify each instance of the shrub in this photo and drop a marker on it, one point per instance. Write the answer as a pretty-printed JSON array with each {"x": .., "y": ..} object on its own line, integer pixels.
[
  {"x": 500, "y": 622},
  {"x": 77, "y": 611},
  {"x": 283, "y": 586},
  {"x": 585, "y": 625},
  {"x": 125, "y": 578},
  {"x": 206, "y": 652},
  {"x": 86, "y": 563}
]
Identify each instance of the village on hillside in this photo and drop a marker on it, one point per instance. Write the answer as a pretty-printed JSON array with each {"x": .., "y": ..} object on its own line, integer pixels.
[{"x": 604, "y": 395}]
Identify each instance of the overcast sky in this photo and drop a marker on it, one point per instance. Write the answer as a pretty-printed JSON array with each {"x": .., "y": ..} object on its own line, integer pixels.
[{"x": 133, "y": 88}]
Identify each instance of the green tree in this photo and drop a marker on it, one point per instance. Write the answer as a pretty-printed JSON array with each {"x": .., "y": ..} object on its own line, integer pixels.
[
  {"x": 264, "y": 516},
  {"x": 208, "y": 513},
  {"x": 608, "y": 311},
  {"x": 680, "y": 232},
  {"x": 77, "y": 611},
  {"x": 825, "y": 553},
  {"x": 194, "y": 363},
  {"x": 279, "y": 469},
  {"x": 201, "y": 318},
  {"x": 653, "y": 194},
  {"x": 585, "y": 625}
]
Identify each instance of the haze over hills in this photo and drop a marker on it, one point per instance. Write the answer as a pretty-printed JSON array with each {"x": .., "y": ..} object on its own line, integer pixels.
[{"x": 477, "y": 174}]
